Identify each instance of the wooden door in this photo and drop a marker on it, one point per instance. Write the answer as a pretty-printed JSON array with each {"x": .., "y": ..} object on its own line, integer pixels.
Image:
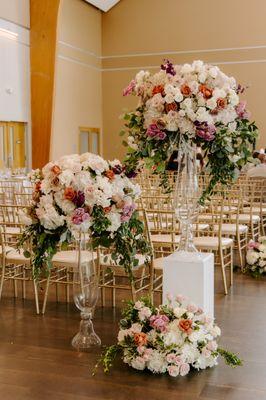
[{"x": 12, "y": 145}]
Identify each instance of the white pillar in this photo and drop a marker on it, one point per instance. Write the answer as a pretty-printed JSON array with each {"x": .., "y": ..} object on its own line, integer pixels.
[{"x": 190, "y": 274}]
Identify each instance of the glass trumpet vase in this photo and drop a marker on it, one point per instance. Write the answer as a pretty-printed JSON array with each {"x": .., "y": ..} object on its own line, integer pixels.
[
  {"x": 186, "y": 195},
  {"x": 85, "y": 290}
]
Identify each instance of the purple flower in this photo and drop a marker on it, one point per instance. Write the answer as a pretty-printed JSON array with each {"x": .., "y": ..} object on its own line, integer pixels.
[
  {"x": 155, "y": 132},
  {"x": 205, "y": 131},
  {"x": 79, "y": 216},
  {"x": 129, "y": 89},
  {"x": 118, "y": 169},
  {"x": 131, "y": 174},
  {"x": 79, "y": 199},
  {"x": 241, "y": 110},
  {"x": 127, "y": 212},
  {"x": 168, "y": 67},
  {"x": 159, "y": 322}
]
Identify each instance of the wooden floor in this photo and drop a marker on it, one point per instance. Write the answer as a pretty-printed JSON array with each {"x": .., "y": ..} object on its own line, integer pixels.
[{"x": 38, "y": 363}]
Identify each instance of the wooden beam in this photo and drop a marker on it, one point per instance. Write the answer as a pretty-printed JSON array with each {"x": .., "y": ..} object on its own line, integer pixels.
[{"x": 43, "y": 19}]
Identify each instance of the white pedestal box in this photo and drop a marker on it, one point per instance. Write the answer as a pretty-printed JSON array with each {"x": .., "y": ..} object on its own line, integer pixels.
[{"x": 190, "y": 274}]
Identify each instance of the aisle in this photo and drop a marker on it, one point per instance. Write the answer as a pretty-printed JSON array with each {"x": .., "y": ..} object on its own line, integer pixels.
[{"x": 37, "y": 362}]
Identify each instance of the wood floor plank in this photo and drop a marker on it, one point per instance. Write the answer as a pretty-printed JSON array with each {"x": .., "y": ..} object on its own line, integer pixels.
[{"x": 38, "y": 363}]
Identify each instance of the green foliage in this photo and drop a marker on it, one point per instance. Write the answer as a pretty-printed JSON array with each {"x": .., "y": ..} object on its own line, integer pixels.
[{"x": 230, "y": 358}]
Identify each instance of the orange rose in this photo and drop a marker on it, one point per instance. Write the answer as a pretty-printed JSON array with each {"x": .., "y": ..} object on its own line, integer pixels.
[
  {"x": 70, "y": 194},
  {"x": 140, "y": 339},
  {"x": 207, "y": 92},
  {"x": 157, "y": 89},
  {"x": 38, "y": 186},
  {"x": 185, "y": 90},
  {"x": 221, "y": 103},
  {"x": 107, "y": 209},
  {"x": 110, "y": 174},
  {"x": 55, "y": 181},
  {"x": 171, "y": 107},
  {"x": 185, "y": 325},
  {"x": 56, "y": 169}
]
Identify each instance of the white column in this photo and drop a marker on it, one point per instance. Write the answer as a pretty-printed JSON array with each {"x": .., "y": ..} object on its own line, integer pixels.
[{"x": 190, "y": 274}]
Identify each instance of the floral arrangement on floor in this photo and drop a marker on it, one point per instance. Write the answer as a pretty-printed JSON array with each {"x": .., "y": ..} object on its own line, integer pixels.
[
  {"x": 172, "y": 339},
  {"x": 256, "y": 257},
  {"x": 83, "y": 193},
  {"x": 194, "y": 102}
]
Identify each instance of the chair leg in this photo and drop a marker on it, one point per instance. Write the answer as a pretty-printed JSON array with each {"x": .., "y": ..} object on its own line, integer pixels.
[
  {"x": 2, "y": 279},
  {"x": 46, "y": 295},
  {"x": 221, "y": 256},
  {"x": 231, "y": 268},
  {"x": 36, "y": 295},
  {"x": 24, "y": 284},
  {"x": 114, "y": 293},
  {"x": 15, "y": 285},
  {"x": 133, "y": 291},
  {"x": 239, "y": 251}
]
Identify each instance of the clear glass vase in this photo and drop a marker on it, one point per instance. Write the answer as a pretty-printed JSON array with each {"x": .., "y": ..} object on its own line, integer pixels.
[
  {"x": 85, "y": 290},
  {"x": 186, "y": 195}
]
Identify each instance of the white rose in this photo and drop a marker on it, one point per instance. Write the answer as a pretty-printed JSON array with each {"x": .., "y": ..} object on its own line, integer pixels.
[
  {"x": 186, "y": 69},
  {"x": 157, "y": 363},
  {"x": 138, "y": 363},
  {"x": 252, "y": 257},
  {"x": 213, "y": 71},
  {"x": 178, "y": 96}
]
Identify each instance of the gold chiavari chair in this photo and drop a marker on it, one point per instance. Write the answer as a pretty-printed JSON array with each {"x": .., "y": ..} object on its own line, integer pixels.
[
  {"x": 64, "y": 262},
  {"x": 258, "y": 201},
  {"x": 248, "y": 213},
  {"x": 113, "y": 277},
  {"x": 15, "y": 266}
]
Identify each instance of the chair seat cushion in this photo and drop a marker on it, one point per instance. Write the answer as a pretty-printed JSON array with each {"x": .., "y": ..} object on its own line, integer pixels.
[
  {"x": 212, "y": 242},
  {"x": 205, "y": 242},
  {"x": 69, "y": 258},
  {"x": 230, "y": 229},
  {"x": 257, "y": 210},
  {"x": 164, "y": 238},
  {"x": 245, "y": 218},
  {"x": 13, "y": 256}
]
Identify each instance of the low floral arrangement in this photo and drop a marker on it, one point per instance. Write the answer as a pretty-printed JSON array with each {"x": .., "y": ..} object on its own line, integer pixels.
[
  {"x": 83, "y": 193},
  {"x": 194, "y": 102},
  {"x": 172, "y": 339},
  {"x": 256, "y": 257}
]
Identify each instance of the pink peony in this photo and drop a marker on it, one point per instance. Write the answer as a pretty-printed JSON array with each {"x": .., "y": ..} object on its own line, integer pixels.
[
  {"x": 212, "y": 346},
  {"x": 159, "y": 322},
  {"x": 173, "y": 370},
  {"x": 192, "y": 308},
  {"x": 127, "y": 212},
  {"x": 241, "y": 110},
  {"x": 129, "y": 89},
  {"x": 79, "y": 216},
  {"x": 154, "y": 131},
  {"x": 184, "y": 369}
]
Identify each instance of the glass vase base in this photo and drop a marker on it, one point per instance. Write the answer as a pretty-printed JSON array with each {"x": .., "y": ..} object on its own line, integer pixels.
[{"x": 82, "y": 342}]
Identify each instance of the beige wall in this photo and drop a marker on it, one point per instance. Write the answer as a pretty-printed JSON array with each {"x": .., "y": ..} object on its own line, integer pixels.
[
  {"x": 138, "y": 34},
  {"x": 78, "y": 81},
  {"x": 16, "y": 11}
]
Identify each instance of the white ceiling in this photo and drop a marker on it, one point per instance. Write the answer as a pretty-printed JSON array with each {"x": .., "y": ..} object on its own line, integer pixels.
[{"x": 103, "y": 5}]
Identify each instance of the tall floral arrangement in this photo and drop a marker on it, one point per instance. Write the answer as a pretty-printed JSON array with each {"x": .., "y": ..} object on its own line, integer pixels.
[
  {"x": 83, "y": 193},
  {"x": 172, "y": 339},
  {"x": 194, "y": 102}
]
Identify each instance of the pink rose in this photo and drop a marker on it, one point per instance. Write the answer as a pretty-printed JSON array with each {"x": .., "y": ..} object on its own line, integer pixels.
[
  {"x": 192, "y": 308},
  {"x": 212, "y": 346},
  {"x": 159, "y": 322},
  {"x": 79, "y": 216},
  {"x": 173, "y": 370},
  {"x": 147, "y": 354},
  {"x": 129, "y": 89},
  {"x": 184, "y": 369},
  {"x": 206, "y": 352}
]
